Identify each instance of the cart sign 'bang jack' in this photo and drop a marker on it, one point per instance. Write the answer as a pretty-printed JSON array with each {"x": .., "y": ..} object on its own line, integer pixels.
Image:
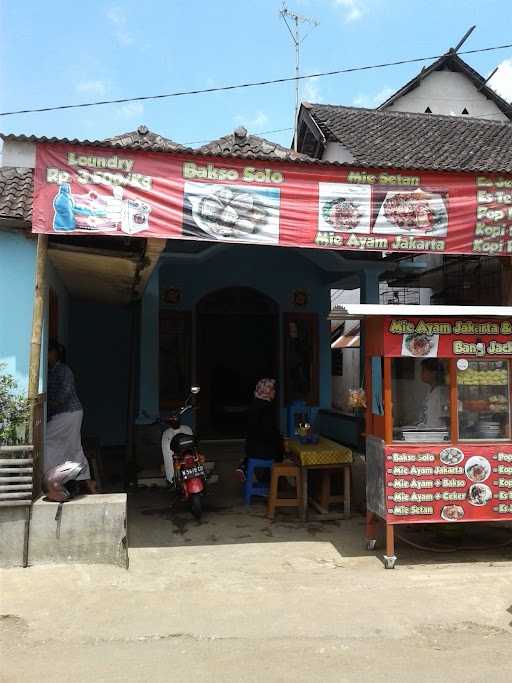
[{"x": 86, "y": 190}]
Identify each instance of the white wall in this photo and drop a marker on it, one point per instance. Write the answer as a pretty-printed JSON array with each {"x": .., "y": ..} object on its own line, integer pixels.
[
  {"x": 448, "y": 92},
  {"x": 349, "y": 380},
  {"x": 334, "y": 151},
  {"x": 20, "y": 154}
]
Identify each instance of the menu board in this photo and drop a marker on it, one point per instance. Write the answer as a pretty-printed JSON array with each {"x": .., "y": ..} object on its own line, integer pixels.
[{"x": 444, "y": 483}]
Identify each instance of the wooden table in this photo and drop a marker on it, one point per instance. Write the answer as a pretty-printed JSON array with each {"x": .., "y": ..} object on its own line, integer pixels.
[{"x": 326, "y": 455}]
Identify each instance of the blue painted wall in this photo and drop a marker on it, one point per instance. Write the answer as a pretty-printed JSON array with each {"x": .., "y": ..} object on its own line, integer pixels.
[
  {"x": 17, "y": 270},
  {"x": 276, "y": 272},
  {"x": 99, "y": 348}
]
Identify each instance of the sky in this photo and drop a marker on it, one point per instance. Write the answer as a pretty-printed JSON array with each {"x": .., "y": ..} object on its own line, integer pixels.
[{"x": 56, "y": 52}]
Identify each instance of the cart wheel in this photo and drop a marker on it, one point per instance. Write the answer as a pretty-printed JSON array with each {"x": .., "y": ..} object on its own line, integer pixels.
[
  {"x": 389, "y": 562},
  {"x": 371, "y": 544}
]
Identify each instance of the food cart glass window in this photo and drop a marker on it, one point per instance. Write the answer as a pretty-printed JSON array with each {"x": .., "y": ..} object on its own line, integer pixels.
[
  {"x": 421, "y": 400},
  {"x": 483, "y": 399},
  {"x": 377, "y": 399}
]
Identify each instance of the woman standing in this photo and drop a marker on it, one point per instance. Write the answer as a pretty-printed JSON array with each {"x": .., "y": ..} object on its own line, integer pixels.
[
  {"x": 263, "y": 437},
  {"x": 65, "y": 414}
]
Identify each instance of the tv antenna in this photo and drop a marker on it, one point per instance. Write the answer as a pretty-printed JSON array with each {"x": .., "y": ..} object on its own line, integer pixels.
[{"x": 293, "y": 23}]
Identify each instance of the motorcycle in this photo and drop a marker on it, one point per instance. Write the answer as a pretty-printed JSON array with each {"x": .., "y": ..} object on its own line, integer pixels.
[{"x": 184, "y": 466}]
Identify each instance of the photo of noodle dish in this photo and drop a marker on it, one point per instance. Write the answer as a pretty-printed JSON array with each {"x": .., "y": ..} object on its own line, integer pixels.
[
  {"x": 416, "y": 212},
  {"x": 452, "y": 513},
  {"x": 478, "y": 469},
  {"x": 231, "y": 212},
  {"x": 344, "y": 207},
  {"x": 420, "y": 345},
  {"x": 342, "y": 214},
  {"x": 451, "y": 456},
  {"x": 479, "y": 494}
]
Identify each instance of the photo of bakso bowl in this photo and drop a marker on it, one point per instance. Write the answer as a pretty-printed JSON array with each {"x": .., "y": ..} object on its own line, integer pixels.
[{"x": 451, "y": 456}]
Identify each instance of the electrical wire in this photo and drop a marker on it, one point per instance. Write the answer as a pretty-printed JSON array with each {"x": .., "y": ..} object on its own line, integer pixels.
[{"x": 253, "y": 84}]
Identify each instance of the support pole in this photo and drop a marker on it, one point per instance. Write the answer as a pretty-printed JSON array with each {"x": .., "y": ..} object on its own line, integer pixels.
[
  {"x": 35, "y": 365},
  {"x": 37, "y": 324},
  {"x": 131, "y": 466}
]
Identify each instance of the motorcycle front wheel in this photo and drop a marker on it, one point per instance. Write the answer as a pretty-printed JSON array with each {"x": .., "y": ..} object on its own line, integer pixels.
[{"x": 196, "y": 505}]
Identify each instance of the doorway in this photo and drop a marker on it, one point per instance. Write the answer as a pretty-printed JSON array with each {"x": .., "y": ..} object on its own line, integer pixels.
[{"x": 237, "y": 346}]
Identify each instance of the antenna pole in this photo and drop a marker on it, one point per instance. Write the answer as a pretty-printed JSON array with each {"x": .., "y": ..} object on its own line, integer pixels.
[
  {"x": 297, "y": 66},
  {"x": 296, "y": 20},
  {"x": 464, "y": 38}
]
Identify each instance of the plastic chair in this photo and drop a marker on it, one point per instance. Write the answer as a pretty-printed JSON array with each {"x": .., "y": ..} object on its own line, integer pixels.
[{"x": 255, "y": 488}]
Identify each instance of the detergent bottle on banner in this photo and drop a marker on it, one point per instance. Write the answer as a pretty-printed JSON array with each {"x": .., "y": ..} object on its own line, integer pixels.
[{"x": 64, "y": 218}]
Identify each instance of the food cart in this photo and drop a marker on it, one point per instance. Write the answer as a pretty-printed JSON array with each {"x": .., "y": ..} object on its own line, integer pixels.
[{"x": 438, "y": 427}]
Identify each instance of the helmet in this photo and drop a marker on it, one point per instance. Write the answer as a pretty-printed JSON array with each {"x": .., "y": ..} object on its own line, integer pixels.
[
  {"x": 181, "y": 443},
  {"x": 59, "y": 483}
]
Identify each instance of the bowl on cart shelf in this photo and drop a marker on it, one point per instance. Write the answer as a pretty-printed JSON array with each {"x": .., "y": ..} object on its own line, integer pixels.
[
  {"x": 424, "y": 435},
  {"x": 489, "y": 429}
]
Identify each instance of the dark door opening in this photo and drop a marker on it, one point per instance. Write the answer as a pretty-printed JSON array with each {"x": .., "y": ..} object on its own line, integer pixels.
[{"x": 238, "y": 345}]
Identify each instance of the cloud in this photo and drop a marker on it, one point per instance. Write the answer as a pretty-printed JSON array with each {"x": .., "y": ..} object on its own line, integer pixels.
[
  {"x": 92, "y": 87},
  {"x": 372, "y": 101},
  {"x": 130, "y": 110},
  {"x": 117, "y": 17},
  {"x": 353, "y": 10},
  {"x": 311, "y": 91},
  {"x": 501, "y": 82},
  {"x": 257, "y": 121}
]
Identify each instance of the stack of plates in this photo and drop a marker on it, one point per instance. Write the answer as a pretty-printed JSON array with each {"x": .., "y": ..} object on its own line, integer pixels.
[
  {"x": 425, "y": 437},
  {"x": 489, "y": 430}
]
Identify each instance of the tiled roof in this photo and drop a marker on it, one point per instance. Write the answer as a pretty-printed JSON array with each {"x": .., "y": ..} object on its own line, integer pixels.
[
  {"x": 240, "y": 143},
  {"x": 416, "y": 141},
  {"x": 16, "y": 193},
  {"x": 142, "y": 138},
  {"x": 145, "y": 139},
  {"x": 453, "y": 62}
]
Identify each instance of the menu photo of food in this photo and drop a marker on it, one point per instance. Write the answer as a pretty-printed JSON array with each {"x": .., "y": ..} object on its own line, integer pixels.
[
  {"x": 479, "y": 494},
  {"x": 452, "y": 513},
  {"x": 344, "y": 207},
  {"x": 411, "y": 212},
  {"x": 478, "y": 469},
  {"x": 420, "y": 345},
  {"x": 231, "y": 212}
]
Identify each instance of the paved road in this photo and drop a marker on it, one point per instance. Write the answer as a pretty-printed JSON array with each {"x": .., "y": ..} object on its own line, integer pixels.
[{"x": 292, "y": 610}]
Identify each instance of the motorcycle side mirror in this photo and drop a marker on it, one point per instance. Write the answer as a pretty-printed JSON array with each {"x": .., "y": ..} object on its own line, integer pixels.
[{"x": 195, "y": 390}]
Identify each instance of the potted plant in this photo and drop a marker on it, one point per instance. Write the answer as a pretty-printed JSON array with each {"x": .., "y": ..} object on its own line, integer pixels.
[{"x": 14, "y": 411}]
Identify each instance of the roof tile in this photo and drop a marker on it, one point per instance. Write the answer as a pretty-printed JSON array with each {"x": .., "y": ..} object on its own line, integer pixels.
[
  {"x": 416, "y": 141},
  {"x": 240, "y": 143},
  {"x": 16, "y": 188}
]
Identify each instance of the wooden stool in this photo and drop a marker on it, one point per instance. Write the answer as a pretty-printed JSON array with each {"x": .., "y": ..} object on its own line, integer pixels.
[
  {"x": 285, "y": 469},
  {"x": 324, "y": 498}
]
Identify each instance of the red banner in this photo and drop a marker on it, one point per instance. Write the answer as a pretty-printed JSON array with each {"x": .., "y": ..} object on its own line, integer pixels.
[
  {"x": 448, "y": 338},
  {"x": 115, "y": 191},
  {"x": 467, "y": 483}
]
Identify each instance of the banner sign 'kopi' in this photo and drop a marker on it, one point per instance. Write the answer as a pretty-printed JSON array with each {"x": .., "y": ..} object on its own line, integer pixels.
[{"x": 109, "y": 191}]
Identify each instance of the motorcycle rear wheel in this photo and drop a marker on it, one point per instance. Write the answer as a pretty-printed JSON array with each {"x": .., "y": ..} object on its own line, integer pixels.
[{"x": 196, "y": 505}]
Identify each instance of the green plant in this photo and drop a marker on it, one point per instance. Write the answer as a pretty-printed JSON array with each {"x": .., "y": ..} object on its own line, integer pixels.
[{"x": 14, "y": 411}]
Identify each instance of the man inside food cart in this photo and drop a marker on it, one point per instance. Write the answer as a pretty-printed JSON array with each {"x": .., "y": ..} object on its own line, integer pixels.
[{"x": 436, "y": 408}]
